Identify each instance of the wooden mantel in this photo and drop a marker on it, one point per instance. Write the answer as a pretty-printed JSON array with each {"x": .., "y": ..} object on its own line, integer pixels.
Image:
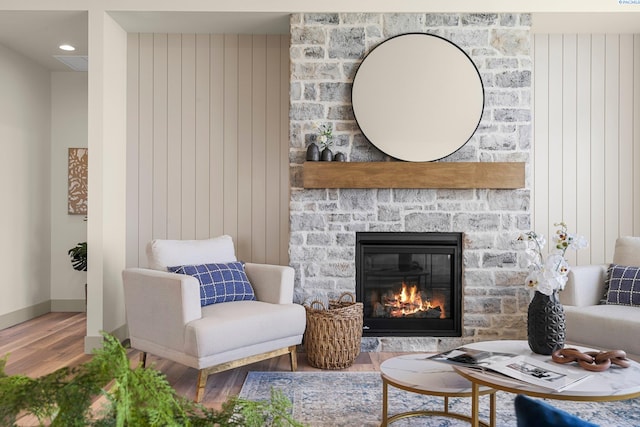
[{"x": 497, "y": 175}]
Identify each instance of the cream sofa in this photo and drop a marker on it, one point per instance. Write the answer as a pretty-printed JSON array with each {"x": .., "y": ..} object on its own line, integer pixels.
[
  {"x": 603, "y": 326},
  {"x": 165, "y": 317}
]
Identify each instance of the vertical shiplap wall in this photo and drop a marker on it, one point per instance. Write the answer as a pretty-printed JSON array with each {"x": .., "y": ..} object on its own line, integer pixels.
[
  {"x": 587, "y": 138},
  {"x": 208, "y": 142}
]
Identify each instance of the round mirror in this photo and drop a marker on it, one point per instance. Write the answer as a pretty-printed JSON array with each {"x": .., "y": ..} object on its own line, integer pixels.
[{"x": 417, "y": 97}]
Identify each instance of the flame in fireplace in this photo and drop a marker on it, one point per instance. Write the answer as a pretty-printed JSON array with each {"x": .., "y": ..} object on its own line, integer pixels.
[{"x": 409, "y": 302}]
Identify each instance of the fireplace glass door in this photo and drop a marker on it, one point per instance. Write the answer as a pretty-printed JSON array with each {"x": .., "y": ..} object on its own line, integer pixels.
[{"x": 409, "y": 283}]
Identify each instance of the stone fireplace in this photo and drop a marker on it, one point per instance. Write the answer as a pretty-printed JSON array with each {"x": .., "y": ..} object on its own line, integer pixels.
[{"x": 325, "y": 52}]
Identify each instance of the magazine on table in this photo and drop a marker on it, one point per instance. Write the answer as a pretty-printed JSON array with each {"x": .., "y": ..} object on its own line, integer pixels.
[
  {"x": 471, "y": 357},
  {"x": 551, "y": 376}
]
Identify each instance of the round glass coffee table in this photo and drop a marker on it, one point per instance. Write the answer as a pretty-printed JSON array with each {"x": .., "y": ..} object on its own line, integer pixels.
[
  {"x": 416, "y": 373},
  {"x": 612, "y": 384}
]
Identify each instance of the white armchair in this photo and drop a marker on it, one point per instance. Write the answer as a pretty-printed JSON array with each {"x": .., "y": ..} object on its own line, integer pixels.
[
  {"x": 165, "y": 317},
  {"x": 605, "y": 326}
]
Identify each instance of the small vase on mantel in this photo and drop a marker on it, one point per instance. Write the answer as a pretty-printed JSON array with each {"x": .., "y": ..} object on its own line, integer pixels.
[
  {"x": 313, "y": 153},
  {"x": 545, "y": 323},
  {"x": 326, "y": 155}
]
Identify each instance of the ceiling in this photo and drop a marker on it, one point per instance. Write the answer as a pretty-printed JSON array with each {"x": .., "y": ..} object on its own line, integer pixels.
[
  {"x": 37, "y": 34},
  {"x": 203, "y": 22}
]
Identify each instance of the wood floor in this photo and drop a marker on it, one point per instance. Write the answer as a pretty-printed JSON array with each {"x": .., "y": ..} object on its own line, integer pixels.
[{"x": 55, "y": 340}]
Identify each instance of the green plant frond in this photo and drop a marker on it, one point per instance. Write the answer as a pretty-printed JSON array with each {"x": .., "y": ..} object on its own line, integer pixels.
[
  {"x": 35, "y": 396},
  {"x": 3, "y": 365},
  {"x": 237, "y": 411},
  {"x": 140, "y": 397},
  {"x": 78, "y": 256}
]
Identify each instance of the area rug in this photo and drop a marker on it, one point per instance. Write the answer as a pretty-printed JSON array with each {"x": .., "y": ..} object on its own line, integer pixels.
[{"x": 331, "y": 398}]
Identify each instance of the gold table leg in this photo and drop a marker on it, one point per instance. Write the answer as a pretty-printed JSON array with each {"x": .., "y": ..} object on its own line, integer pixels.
[
  {"x": 385, "y": 414},
  {"x": 473, "y": 419},
  {"x": 475, "y": 403},
  {"x": 492, "y": 409}
]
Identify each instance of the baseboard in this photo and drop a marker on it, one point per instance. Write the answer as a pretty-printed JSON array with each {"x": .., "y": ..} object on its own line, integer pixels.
[
  {"x": 92, "y": 343},
  {"x": 121, "y": 333},
  {"x": 24, "y": 314},
  {"x": 68, "y": 305},
  {"x": 95, "y": 342}
]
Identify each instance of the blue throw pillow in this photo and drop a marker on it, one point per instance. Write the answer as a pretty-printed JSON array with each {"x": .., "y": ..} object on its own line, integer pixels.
[
  {"x": 536, "y": 413},
  {"x": 219, "y": 282},
  {"x": 623, "y": 285}
]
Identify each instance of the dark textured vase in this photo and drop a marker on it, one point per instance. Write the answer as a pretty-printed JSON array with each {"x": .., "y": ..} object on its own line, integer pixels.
[
  {"x": 339, "y": 157},
  {"x": 545, "y": 324},
  {"x": 313, "y": 153},
  {"x": 326, "y": 155}
]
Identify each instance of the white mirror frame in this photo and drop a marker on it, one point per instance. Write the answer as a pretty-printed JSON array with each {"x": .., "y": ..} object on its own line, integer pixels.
[{"x": 417, "y": 97}]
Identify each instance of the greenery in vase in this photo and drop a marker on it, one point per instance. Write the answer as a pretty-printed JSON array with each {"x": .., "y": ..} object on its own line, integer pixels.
[
  {"x": 549, "y": 275},
  {"x": 137, "y": 397},
  {"x": 325, "y": 135}
]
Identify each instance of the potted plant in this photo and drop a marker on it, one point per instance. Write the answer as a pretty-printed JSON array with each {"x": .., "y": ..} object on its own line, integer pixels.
[
  {"x": 137, "y": 397},
  {"x": 545, "y": 316},
  {"x": 78, "y": 256},
  {"x": 325, "y": 138}
]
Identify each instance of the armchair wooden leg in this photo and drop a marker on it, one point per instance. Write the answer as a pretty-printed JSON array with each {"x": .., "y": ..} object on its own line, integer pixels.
[
  {"x": 202, "y": 384},
  {"x": 143, "y": 359},
  {"x": 294, "y": 358}
]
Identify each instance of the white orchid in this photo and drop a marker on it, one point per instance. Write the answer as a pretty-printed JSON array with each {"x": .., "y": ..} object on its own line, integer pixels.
[{"x": 550, "y": 275}]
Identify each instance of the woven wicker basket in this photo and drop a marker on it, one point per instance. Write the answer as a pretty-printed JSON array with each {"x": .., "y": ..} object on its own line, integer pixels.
[{"x": 332, "y": 338}]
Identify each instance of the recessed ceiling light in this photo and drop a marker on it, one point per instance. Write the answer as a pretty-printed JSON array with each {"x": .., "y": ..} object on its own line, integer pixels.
[{"x": 67, "y": 47}]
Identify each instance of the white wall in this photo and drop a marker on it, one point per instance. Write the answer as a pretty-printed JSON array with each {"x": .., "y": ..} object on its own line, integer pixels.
[
  {"x": 24, "y": 184},
  {"x": 107, "y": 178},
  {"x": 68, "y": 129},
  {"x": 587, "y": 138},
  {"x": 208, "y": 142}
]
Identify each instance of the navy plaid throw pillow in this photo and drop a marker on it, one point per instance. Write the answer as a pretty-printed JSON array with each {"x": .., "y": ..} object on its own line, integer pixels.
[
  {"x": 623, "y": 284},
  {"x": 219, "y": 282}
]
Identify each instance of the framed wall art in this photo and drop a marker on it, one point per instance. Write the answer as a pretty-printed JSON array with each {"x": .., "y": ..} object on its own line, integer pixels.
[{"x": 78, "y": 174}]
